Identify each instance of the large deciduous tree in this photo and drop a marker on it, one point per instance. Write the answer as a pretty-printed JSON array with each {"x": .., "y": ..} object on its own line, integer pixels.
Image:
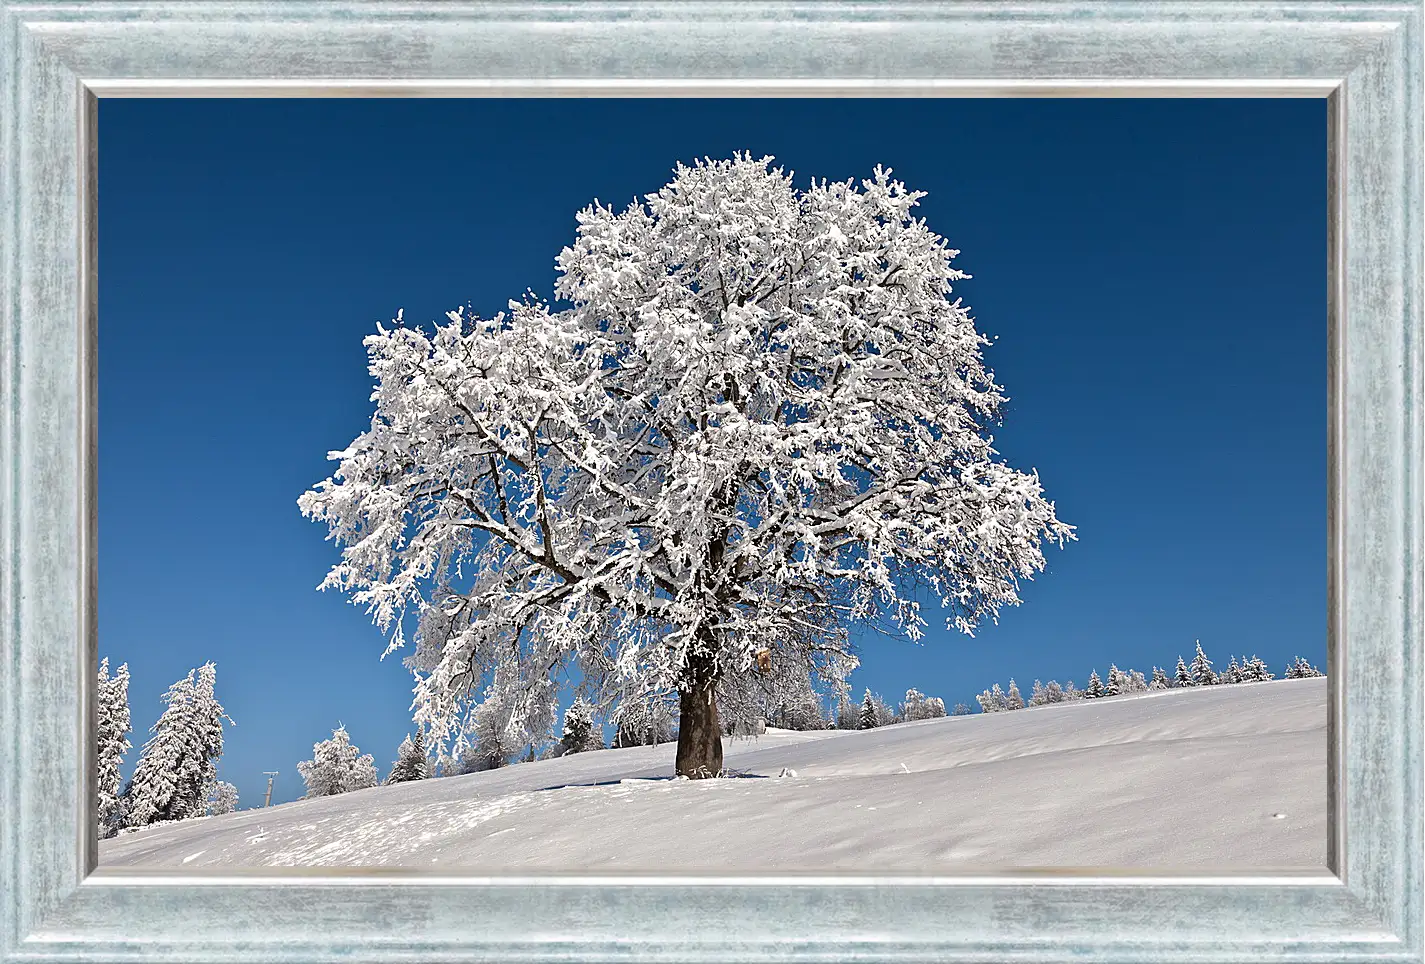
[{"x": 756, "y": 416}]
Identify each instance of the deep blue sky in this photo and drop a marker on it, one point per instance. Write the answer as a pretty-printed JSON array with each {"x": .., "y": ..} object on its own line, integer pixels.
[{"x": 1154, "y": 271}]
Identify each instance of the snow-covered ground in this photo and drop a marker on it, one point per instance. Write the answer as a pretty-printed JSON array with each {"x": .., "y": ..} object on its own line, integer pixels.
[{"x": 1219, "y": 778}]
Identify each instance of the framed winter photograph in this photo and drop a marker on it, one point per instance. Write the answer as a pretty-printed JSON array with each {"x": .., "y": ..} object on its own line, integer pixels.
[{"x": 712, "y": 482}]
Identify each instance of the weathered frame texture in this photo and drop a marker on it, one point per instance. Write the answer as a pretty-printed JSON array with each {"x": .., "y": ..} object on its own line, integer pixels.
[{"x": 58, "y": 57}]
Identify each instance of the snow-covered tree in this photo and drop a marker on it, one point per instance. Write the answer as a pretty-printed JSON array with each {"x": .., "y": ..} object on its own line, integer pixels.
[
  {"x": 177, "y": 767},
  {"x": 1012, "y": 699},
  {"x": 1116, "y": 684},
  {"x": 222, "y": 798},
  {"x": 1072, "y": 693},
  {"x": 1135, "y": 682},
  {"x": 1183, "y": 675},
  {"x": 1054, "y": 693},
  {"x": 337, "y": 766},
  {"x": 1201, "y": 669},
  {"x": 580, "y": 733},
  {"x": 993, "y": 700},
  {"x": 961, "y": 709},
  {"x": 1257, "y": 671},
  {"x": 112, "y": 697},
  {"x": 411, "y": 760},
  {"x": 1095, "y": 687},
  {"x": 918, "y": 706},
  {"x": 1300, "y": 668},
  {"x": 646, "y": 719},
  {"x": 869, "y": 718},
  {"x": 759, "y": 408},
  {"x": 785, "y": 682},
  {"x": 1160, "y": 679},
  {"x": 1233, "y": 672},
  {"x": 1038, "y": 695}
]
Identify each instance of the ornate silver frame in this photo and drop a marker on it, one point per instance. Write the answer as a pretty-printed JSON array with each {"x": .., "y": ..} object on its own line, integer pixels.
[{"x": 58, "y": 57}]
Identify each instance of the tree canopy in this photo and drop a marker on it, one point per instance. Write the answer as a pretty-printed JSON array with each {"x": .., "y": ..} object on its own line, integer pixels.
[{"x": 756, "y": 415}]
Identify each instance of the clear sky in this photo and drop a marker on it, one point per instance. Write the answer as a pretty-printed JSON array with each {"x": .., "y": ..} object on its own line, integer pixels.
[{"x": 1155, "y": 272}]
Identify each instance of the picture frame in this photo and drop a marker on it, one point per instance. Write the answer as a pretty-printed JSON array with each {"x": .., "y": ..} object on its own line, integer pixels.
[{"x": 1364, "y": 57}]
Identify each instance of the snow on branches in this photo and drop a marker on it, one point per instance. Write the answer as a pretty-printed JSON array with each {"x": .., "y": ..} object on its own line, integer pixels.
[
  {"x": 337, "y": 766},
  {"x": 112, "y": 697},
  {"x": 177, "y": 767},
  {"x": 761, "y": 413}
]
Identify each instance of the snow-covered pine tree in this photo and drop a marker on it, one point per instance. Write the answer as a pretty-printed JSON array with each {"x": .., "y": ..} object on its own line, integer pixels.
[
  {"x": 848, "y": 714},
  {"x": 1183, "y": 676},
  {"x": 1257, "y": 671},
  {"x": 1095, "y": 688},
  {"x": 337, "y": 766},
  {"x": 112, "y": 697},
  {"x": 1135, "y": 682},
  {"x": 1300, "y": 668},
  {"x": 1233, "y": 672},
  {"x": 580, "y": 733},
  {"x": 868, "y": 718},
  {"x": 411, "y": 760},
  {"x": 918, "y": 706},
  {"x": 1038, "y": 695},
  {"x": 1202, "y": 674},
  {"x": 222, "y": 798},
  {"x": 988, "y": 702},
  {"x": 654, "y": 475},
  {"x": 1071, "y": 692},
  {"x": 1160, "y": 679},
  {"x": 178, "y": 765},
  {"x": 961, "y": 709},
  {"x": 1013, "y": 700},
  {"x": 1054, "y": 693},
  {"x": 1115, "y": 685}
]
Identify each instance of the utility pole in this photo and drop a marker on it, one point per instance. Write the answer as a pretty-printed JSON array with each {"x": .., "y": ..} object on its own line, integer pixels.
[{"x": 269, "y": 774}]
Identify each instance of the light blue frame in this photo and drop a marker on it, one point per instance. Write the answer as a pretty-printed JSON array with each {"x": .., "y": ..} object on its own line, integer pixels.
[{"x": 58, "y": 57}]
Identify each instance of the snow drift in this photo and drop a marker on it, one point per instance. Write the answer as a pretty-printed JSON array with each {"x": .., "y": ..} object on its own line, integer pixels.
[{"x": 1215, "y": 778}]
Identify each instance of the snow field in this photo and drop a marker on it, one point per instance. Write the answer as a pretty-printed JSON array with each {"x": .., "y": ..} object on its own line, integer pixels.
[{"x": 1204, "y": 779}]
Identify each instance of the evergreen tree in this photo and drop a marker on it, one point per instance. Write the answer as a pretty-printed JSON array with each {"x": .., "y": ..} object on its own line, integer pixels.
[
  {"x": 1054, "y": 693},
  {"x": 867, "y": 719},
  {"x": 1202, "y": 674},
  {"x": 177, "y": 767},
  {"x": 1012, "y": 700},
  {"x": 961, "y": 709},
  {"x": 1233, "y": 672},
  {"x": 222, "y": 798},
  {"x": 580, "y": 734},
  {"x": 1115, "y": 681},
  {"x": 112, "y": 696},
  {"x": 1095, "y": 688},
  {"x": 1301, "y": 669},
  {"x": 1038, "y": 695},
  {"x": 918, "y": 706},
  {"x": 1160, "y": 679},
  {"x": 1135, "y": 682},
  {"x": 337, "y": 766},
  {"x": 411, "y": 762},
  {"x": 1257, "y": 671},
  {"x": 1072, "y": 693},
  {"x": 1184, "y": 676}
]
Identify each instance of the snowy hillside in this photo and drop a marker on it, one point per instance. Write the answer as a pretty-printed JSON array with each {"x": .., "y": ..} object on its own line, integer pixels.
[{"x": 1213, "y": 778}]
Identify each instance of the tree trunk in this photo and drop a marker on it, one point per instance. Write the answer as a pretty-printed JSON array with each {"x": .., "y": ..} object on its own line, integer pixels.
[{"x": 699, "y": 732}]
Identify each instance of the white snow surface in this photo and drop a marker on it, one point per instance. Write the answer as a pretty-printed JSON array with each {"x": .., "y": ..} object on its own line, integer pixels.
[{"x": 1215, "y": 778}]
